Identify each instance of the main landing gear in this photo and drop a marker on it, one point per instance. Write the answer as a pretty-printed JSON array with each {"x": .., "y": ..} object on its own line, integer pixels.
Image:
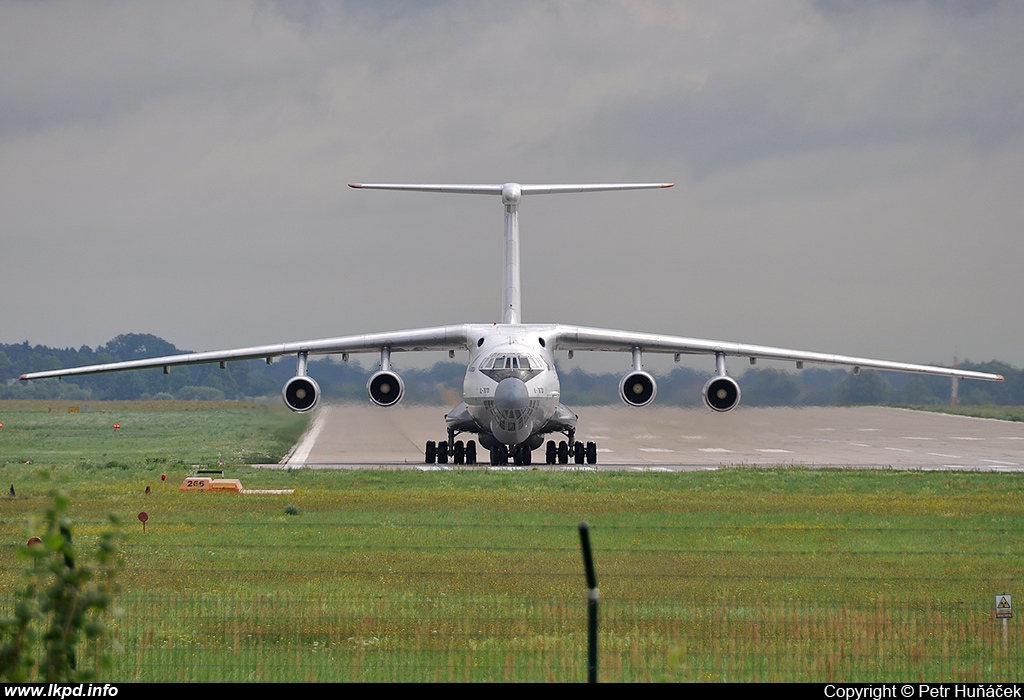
[
  {"x": 564, "y": 450},
  {"x": 560, "y": 453},
  {"x": 458, "y": 451}
]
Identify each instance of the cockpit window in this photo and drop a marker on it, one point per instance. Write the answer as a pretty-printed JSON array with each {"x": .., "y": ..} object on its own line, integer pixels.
[{"x": 509, "y": 361}]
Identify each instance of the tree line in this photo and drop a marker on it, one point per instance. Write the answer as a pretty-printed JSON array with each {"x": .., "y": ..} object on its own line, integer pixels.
[{"x": 442, "y": 383}]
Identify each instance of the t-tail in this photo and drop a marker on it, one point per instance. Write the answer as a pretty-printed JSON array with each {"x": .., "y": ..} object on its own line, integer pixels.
[{"x": 511, "y": 193}]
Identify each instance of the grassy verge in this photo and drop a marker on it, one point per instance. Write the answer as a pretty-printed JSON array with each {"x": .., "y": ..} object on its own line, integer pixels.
[{"x": 62, "y": 434}]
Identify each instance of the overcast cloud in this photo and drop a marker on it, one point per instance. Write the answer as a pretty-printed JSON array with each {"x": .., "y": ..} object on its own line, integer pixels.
[{"x": 848, "y": 173}]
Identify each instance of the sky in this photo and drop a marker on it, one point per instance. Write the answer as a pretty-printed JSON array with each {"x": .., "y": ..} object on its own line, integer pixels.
[{"x": 848, "y": 174}]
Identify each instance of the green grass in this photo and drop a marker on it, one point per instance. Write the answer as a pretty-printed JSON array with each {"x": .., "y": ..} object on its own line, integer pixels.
[
  {"x": 740, "y": 574},
  {"x": 46, "y": 433}
]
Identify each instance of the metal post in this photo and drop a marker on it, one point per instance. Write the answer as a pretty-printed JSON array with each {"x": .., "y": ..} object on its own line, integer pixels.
[{"x": 593, "y": 596}]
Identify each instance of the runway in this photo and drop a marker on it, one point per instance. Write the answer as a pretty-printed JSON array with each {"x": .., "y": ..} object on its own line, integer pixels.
[{"x": 361, "y": 436}]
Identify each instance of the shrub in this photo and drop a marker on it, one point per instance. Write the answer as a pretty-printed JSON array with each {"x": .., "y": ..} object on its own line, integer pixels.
[{"x": 62, "y": 606}]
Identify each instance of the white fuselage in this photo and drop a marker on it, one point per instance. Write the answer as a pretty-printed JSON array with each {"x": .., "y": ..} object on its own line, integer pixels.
[{"x": 511, "y": 388}]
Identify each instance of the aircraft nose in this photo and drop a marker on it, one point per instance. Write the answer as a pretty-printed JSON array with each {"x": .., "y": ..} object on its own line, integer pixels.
[{"x": 511, "y": 394}]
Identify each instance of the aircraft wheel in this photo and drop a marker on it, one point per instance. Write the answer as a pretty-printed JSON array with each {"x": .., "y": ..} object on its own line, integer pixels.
[
  {"x": 503, "y": 452},
  {"x": 442, "y": 452},
  {"x": 495, "y": 456},
  {"x": 577, "y": 452},
  {"x": 550, "y": 452},
  {"x": 471, "y": 452},
  {"x": 430, "y": 453},
  {"x": 591, "y": 453},
  {"x": 459, "y": 456},
  {"x": 522, "y": 456},
  {"x": 563, "y": 452}
]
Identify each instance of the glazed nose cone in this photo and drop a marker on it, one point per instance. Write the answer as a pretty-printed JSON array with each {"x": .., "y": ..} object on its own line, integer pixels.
[{"x": 511, "y": 394}]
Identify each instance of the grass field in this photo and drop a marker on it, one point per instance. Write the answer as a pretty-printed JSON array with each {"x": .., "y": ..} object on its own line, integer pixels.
[{"x": 740, "y": 574}]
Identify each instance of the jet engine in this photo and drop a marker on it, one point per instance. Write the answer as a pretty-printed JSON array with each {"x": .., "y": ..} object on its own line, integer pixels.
[
  {"x": 721, "y": 393},
  {"x": 301, "y": 393},
  {"x": 385, "y": 388},
  {"x": 638, "y": 388}
]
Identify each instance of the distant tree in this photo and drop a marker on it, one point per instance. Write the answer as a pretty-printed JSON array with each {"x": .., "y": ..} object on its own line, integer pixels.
[
  {"x": 40, "y": 362},
  {"x": 1008, "y": 392},
  {"x": 819, "y": 385},
  {"x": 138, "y": 346},
  {"x": 916, "y": 391},
  {"x": 770, "y": 387},
  {"x": 869, "y": 387},
  {"x": 680, "y": 388},
  {"x": 580, "y": 388}
]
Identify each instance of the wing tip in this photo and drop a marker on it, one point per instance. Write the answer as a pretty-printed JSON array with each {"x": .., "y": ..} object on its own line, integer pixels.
[
  {"x": 666, "y": 185},
  {"x": 355, "y": 185}
]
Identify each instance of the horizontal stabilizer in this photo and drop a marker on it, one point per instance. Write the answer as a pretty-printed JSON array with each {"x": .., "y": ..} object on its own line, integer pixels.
[{"x": 525, "y": 189}]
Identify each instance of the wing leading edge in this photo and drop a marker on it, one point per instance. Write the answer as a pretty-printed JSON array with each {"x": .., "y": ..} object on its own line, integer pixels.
[
  {"x": 419, "y": 339},
  {"x": 583, "y": 338}
]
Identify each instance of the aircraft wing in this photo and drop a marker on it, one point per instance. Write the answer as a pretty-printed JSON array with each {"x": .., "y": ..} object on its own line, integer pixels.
[
  {"x": 438, "y": 338},
  {"x": 582, "y": 338}
]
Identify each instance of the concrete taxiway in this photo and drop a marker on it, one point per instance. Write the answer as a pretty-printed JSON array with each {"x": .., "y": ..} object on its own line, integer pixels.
[{"x": 360, "y": 436}]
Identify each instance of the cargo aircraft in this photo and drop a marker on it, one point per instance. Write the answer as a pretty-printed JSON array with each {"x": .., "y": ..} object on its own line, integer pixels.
[{"x": 511, "y": 396}]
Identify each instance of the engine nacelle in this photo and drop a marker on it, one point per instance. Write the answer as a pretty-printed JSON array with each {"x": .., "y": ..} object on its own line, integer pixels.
[
  {"x": 721, "y": 393},
  {"x": 638, "y": 388},
  {"x": 301, "y": 394},
  {"x": 385, "y": 388}
]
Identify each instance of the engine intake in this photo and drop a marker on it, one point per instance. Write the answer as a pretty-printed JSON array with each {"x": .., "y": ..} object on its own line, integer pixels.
[
  {"x": 385, "y": 388},
  {"x": 638, "y": 388},
  {"x": 721, "y": 393},
  {"x": 301, "y": 394}
]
